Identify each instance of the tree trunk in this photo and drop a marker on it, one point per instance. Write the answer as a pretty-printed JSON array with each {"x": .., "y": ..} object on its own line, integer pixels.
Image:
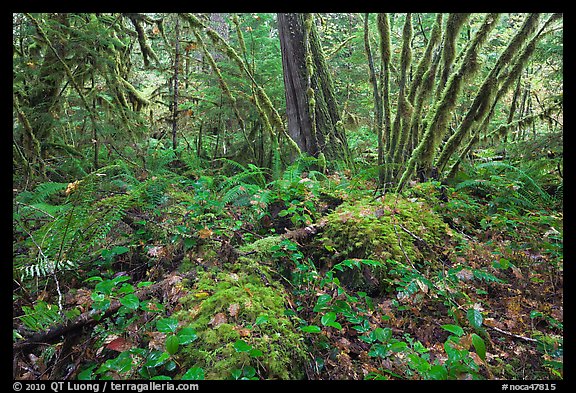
[
  {"x": 291, "y": 32},
  {"x": 175, "y": 89},
  {"x": 311, "y": 108}
]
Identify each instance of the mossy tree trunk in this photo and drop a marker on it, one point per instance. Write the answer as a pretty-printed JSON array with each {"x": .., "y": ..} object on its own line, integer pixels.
[
  {"x": 311, "y": 108},
  {"x": 438, "y": 118},
  {"x": 378, "y": 112}
]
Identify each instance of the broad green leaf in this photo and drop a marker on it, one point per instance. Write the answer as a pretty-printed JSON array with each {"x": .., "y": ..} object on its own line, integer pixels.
[
  {"x": 194, "y": 373},
  {"x": 382, "y": 334},
  {"x": 255, "y": 353},
  {"x": 130, "y": 301},
  {"x": 167, "y": 325},
  {"x": 161, "y": 378},
  {"x": 242, "y": 346},
  {"x": 328, "y": 318},
  {"x": 119, "y": 250},
  {"x": 126, "y": 288},
  {"x": 172, "y": 344},
  {"x": 261, "y": 319},
  {"x": 335, "y": 325},
  {"x": 236, "y": 373},
  {"x": 249, "y": 371},
  {"x": 119, "y": 279},
  {"x": 474, "y": 317},
  {"x": 321, "y": 302},
  {"x": 311, "y": 329},
  {"x": 457, "y": 330},
  {"x": 143, "y": 284},
  {"x": 438, "y": 372},
  {"x": 479, "y": 345},
  {"x": 187, "y": 335},
  {"x": 105, "y": 287},
  {"x": 398, "y": 346},
  {"x": 156, "y": 358}
]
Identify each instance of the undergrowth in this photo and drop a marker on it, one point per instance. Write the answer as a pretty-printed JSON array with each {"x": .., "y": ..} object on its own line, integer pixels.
[{"x": 304, "y": 275}]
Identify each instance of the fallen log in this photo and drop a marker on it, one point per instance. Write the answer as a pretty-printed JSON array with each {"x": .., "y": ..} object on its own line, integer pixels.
[{"x": 89, "y": 318}]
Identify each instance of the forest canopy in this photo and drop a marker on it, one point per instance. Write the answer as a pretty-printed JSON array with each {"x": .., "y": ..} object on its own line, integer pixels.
[{"x": 287, "y": 196}]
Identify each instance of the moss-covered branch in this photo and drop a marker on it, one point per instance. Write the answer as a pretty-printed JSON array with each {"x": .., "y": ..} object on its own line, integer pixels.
[
  {"x": 437, "y": 121},
  {"x": 483, "y": 99}
]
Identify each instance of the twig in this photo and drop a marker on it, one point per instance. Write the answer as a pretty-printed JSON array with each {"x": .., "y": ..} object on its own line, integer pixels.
[{"x": 513, "y": 335}]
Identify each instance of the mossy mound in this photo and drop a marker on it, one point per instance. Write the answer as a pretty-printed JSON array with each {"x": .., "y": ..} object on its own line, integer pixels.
[
  {"x": 239, "y": 316},
  {"x": 389, "y": 228}
]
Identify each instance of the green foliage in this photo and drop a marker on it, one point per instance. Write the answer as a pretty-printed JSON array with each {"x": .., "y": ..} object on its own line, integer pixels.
[{"x": 506, "y": 186}]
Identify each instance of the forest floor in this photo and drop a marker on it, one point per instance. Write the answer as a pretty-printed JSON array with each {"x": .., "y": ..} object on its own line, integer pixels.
[{"x": 305, "y": 279}]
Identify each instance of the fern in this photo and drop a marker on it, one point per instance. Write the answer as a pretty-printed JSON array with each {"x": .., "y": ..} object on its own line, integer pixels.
[
  {"x": 41, "y": 317},
  {"x": 506, "y": 185}
]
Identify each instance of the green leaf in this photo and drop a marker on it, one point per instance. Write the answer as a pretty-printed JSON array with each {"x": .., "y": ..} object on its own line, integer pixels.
[
  {"x": 311, "y": 329},
  {"x": 130, "y": 301},
  {"x": 194, "y": 373},
  {"x": 382, "y": 334},
  {"x": 474, "y": 317},
  {"x": 322, "y": 302},
  {"x": 172, "y": 344},
  {"x": 187, "y": 335},
  {"x": 378, "y": 350},
  {"x": 398, "y": 346},
  {"x": 105, "y": 287},
  {"x": 479, "y": 346},
  {"x": 455, "y": 329},
  {"x": 167, "y": 325},
  {"x": 438, "y": 372},
  {"x": 249, "y": 371},
  {"x": 161, "y": 378},
  {"x": 143, "y": 284},
  {"x": 242, "y": 346},
  {"x": 119, "y": 279},
  {"x": 328, "y": 318},
  {"x": 255, "y": 353},
  {"x": 236, "y": 373},
  {"x": 119, "y": 250},
  {"x": 126, "y": 288},
  {"x": 156, "y": 358},
  {"x": 261, "y": 319}
]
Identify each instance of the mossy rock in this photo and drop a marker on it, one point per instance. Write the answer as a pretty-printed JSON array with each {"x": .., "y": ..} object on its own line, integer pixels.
[
  {"x": 224, "y": 307},
  {"x": 389, "y": 228}
]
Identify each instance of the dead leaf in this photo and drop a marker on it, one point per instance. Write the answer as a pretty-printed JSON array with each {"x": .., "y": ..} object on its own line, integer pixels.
[
  {"x": 158, "y": 340},
  {"x": 465, "y": 275},
  {"x": 233, "y": 309},
  {"x": 204, "y": 233},
  {"x": 242, "y": 331},
  {"x": 119, "y": 344},
  {"x": 218, "y": 320}
]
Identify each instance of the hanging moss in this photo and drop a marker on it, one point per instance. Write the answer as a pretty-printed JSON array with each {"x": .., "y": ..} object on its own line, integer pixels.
[
  {"x": 484, "y": 98},
  {"x": 453, "y": 26},
  {"x": 439, "y": 116}
]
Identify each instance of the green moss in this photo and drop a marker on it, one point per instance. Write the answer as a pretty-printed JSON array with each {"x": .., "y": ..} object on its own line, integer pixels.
[
  {"x": 261, "y": 247},
  {"x": 223, "y": 307},
  {"x": 382, "y": 230}
]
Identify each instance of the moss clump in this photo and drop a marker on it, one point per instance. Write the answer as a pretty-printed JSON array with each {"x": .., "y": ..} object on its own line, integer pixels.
[
  {"x": 395, "y": 228},
  {"x": 223, "y": 307}
]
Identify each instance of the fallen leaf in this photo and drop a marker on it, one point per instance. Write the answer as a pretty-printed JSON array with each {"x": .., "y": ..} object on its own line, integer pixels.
[
  {"x": 242, "y": 331},
  {"x": 218, "y": 320},
  {"x": 157, "y": 341},
  {"x": 204, "y": 233},
  {"x": 233, "y": 309},
  {"x": 119, "y": 345}
]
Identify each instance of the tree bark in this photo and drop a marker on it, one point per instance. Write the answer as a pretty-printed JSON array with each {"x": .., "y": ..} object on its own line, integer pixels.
[{"x": 291, "y": 33}]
